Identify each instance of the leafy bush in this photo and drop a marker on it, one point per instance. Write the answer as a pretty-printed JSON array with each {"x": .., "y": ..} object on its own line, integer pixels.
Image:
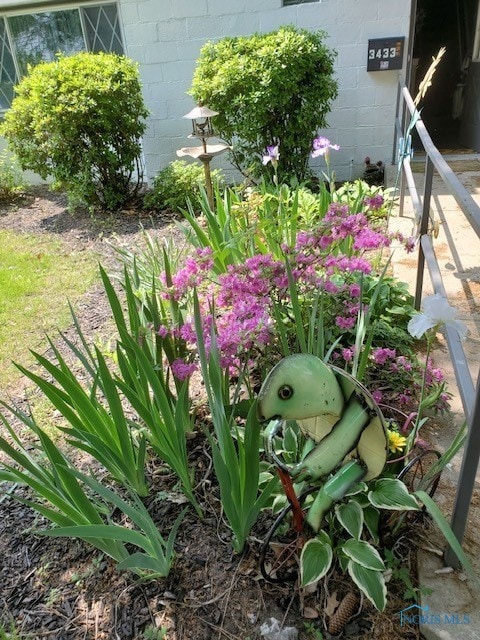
[
  {"x": 12, "y": 182},
  {"x": 80, "y": 120},
  {"x": 268, "y": 88},
  {"x": 179, "y": 182}
]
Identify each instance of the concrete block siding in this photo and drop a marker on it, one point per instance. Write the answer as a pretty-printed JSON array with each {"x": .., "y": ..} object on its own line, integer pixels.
[{"x": 165, "y": 37}]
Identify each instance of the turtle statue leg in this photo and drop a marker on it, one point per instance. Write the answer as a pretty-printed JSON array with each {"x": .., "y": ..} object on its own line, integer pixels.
[{"x": 333, "y": 490}]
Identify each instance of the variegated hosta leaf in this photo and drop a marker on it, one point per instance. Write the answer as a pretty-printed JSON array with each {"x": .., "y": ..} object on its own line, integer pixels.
[
  {"x": 363, "y": 553},
  {"x": 350, "y": 516},
  {"x": 315, "y": 559},
  {"x": 360, "y": 487},
  {"x": 371, "y": 516},
  {"x": 390, "y": 493},
  {"x": 370, "y": 582}
]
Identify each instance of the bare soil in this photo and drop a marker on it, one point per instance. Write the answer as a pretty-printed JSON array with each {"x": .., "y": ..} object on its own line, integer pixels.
[{"x": 62, "y": 590}]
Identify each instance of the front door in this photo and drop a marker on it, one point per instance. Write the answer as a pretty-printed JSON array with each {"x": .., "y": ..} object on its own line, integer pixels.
[
  {"x": 451, "y": 107},
  {"x": 470, "y": 99}
]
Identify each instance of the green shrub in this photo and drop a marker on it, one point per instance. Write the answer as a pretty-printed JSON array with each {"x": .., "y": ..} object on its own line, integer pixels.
[
  {"x": 179, "y": 182},
  {"x": 268, "y": 88},
  {"x": 79, "y": 119},
  {"x": 12, "y": 182}
]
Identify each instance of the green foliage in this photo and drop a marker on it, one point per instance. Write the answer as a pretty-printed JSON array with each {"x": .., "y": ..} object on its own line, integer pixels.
[
  {"x": 62, "y": 494},
  {"x": 121, "y": 403},
  {"x": 177, "y": 184},
  {"x": 11, "y": 633},
  {"x": 102, "y": 431},
  {"x": 151, "y": 632},
  {"x": 357, "y": 553},
  {"x": 80, "y": 119},
  {"x": 268, "y": 88},
  {"x": 402, "y": 574},
  {"x": 243, "y": 225},
  {"x": 235, "y": 452},
  {"x": 34, "y": 270},
  {"x": 12, "y": 182}
]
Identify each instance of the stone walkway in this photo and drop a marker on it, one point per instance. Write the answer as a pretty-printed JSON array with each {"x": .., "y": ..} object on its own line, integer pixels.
[{"x": 454, "y": 601}]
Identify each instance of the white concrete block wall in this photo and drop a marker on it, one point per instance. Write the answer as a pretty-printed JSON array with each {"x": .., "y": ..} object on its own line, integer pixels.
[{"x": 165, "y": 37}]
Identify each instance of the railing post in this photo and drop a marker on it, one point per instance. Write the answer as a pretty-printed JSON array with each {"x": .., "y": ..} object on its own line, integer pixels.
[
  {"x": 427, "y": 193},
  {"x": 466, "y": 480}
]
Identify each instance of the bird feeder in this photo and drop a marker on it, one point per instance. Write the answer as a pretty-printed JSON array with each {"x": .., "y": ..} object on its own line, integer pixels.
[{"x": 202, "y": 130}]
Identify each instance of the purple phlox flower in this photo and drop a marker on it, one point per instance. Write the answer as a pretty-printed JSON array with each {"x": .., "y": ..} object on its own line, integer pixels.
[
  {"x": 354, "y": 290},
  {"x": 344, "y": 263},
  {"x": 187, "y": 332},
  {"x": 272, "y": 155},
  {"x": 322, "y": 146},
  {"x": 187, "y": 278},
  {"x": 181, "y": 369},
  {"x": 404, "y": 363},
  {"x": 410, "y": 244},
  {"x": 370, "y": 239},
  {"x": 205, "y": 258},
  {"x": 405, "y": 397},
  {"x": 336, "y": 212},
  {"x": 162, "y": 331},
  {"x": 374, "y": 202},
  {"x": 377, "y": 395},
  {"x": 330, "y": 287},
  {"x": 381, "y": 355},
  {"x": 347, "y": 354},
  {"x": 345, "y": 322},
  {"x": 437, "y": 375}
]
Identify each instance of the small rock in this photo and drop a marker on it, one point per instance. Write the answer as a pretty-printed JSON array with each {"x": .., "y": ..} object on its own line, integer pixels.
[{"x": 273, "y": 631}]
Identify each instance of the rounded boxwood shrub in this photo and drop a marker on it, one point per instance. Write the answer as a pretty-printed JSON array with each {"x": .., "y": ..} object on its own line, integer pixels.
[
  {"x": 178, "y": 182},
  {"x": 80, "y": 120},
  {"x": 268, "y": 88}
]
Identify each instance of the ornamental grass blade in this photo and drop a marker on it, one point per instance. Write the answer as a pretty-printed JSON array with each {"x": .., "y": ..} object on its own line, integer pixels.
[
  {"x": 370, "y": 582},
  {"x": 438, "y": 466},
  {"x": 446, "y": 530},
  {"x": 99, "y": 531},
  {"x": 137, "y": 562},
  {"x": 236, "y": 460},
  {"x": 86, "y": 356},
  {"x": 104, "y": 434},
  {"x": 165, "y": 428},
  {"x": 297, "y": 310},
  {"x": 114, "y": 302}
]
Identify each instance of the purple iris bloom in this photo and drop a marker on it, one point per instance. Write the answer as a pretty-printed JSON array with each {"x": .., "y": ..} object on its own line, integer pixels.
[
  {"x": 321, "y": 146},
  {"x": 272, "y": 155}
]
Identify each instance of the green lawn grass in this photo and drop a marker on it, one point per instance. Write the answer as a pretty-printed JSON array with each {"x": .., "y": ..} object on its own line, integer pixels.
[{"x": 37, "y": 279}]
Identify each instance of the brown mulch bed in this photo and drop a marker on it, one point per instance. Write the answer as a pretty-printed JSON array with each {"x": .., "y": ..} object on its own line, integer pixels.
[{"x": 62, "y": 590}]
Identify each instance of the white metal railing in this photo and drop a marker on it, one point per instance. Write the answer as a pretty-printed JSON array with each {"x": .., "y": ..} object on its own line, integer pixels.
[{"x": 407, "y": 113}]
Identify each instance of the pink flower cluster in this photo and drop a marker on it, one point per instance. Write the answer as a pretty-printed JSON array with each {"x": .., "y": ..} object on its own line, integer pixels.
[
  {"x": 241, "y": 303},
  {"x": 396, "y": 378}
]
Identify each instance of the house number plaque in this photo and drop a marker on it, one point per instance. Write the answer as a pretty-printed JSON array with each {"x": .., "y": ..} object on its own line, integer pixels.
[{"x": 385, "y": 54}]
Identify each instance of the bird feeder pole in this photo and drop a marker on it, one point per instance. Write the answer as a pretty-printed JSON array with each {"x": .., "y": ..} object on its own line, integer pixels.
[{"x": 202, "y": 130}]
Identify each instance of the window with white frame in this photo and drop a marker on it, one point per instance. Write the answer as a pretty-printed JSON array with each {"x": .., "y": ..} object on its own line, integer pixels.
[{"x": 31, "y": 38}]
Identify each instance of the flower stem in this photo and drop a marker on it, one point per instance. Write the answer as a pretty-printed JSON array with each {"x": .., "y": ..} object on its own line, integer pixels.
[{"x": 412, "y": 437}]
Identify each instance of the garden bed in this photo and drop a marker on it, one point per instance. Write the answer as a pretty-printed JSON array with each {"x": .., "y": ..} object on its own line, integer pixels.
[{"x": 59, "y": 589}]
